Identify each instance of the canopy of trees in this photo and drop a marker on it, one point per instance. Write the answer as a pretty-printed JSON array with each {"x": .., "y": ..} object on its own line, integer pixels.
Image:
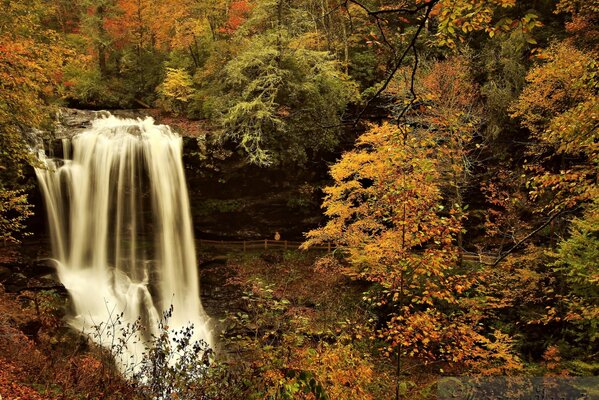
[{"x": 466, "y": 203}]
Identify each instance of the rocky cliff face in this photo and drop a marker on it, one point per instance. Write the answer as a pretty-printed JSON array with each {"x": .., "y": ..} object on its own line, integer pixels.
[{"x": 229, "y": 198}]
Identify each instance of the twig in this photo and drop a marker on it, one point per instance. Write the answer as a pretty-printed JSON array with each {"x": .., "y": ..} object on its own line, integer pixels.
[
  {"x": 412, "y": 91},
  {"x": 411, "y": 46},
  {"x": 402, "y": 10},
  {"x": 531, "y": 234}
]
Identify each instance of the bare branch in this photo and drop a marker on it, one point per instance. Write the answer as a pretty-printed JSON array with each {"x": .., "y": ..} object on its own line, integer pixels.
[
  {"x": 332, "y": 10},
  {"x": 412, "y": 91},
  {"x": 399, "y": 61},
  {"x": 531, "y": 234},
  {"x": 378, "y": 24},
  {"x": 401, "y": 10}
]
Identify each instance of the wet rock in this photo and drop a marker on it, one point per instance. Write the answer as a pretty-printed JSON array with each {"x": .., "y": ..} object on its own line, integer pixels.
[
  {"x": 5, "y": 273},
  {"x": 31, "y": 328},
  {"x": 51, "y": 278},
  {"x": 39, "y": 268},
  {"x": 40, "y": 284},
  {"x": 16, "y": 282},
  {"x": 16, "y": 265},
  {"x": 72, "y": 121}
]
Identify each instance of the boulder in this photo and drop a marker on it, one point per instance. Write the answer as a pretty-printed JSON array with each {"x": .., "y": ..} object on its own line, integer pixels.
[
  {"x": 40, "y": 268},
  {"x": 5, "y": 273},
  {"x": 16, "y": 282}
]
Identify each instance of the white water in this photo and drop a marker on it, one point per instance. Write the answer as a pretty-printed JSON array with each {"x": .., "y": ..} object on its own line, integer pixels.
[{"x": 121, "y": 231}]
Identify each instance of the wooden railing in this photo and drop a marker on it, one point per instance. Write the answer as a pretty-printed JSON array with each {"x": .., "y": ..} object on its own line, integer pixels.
[
  {"x": 266, "y": 244},
  {"x": 262, "y": 244}
]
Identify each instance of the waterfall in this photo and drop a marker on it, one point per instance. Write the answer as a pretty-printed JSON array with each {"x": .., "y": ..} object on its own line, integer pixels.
[{"x": 120, "y": 226}]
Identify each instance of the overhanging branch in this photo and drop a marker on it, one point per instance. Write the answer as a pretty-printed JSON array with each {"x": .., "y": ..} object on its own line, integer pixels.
[
  {"x": 531, "y": 234},
  {"x": 400, "y": 60},
  {"x": 400, "y": 10}
]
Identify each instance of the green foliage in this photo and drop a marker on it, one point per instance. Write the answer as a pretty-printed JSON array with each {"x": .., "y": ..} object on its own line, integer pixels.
[
  {"x": 577, "y": 264},
  {"x": 459, "y": 17},
  {"x": 505, "y": 67},
  {"x": 578, "y": 256},
  {"x": 363, "y": 67},
  {"x": 274, "y": 99},
  {"x": 305, "y": 382},
  {"x": 88, "y": 87},
  {"x": 295, "y": 351},
  {"x": 558, "y": 288},
  {"x": 211, "y": 206},
  {"x": 275, "y": 77}
]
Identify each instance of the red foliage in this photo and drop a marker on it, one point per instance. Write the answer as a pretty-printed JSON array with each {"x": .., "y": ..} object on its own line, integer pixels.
[
  {"x": 43, "y": 360},
  {"x": 12, "y": 388},
  {"x": 117, "y": 30},
  {"x": 238, "y": 13}
]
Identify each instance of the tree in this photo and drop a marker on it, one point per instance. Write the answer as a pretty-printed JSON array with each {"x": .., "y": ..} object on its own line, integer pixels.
[
  {"x": 454, "y": 20},
  {"x": 187, "y": 26},
  {"x": 31, "y": 58},
  {"x": 275, "y": 89},
  {"x": 387, "y": 216},
  {"x": 560, "y": 108},
  {"x": 577, "y": 265},
  {"x": 176, "y": 90},
  {"x": 96, "y": 13},
  {"x": 450, "y": 111}
]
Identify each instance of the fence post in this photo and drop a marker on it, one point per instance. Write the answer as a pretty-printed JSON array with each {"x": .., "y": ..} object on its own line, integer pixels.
[
  {"x": 329, "y": 247},
  {"x": 244, "y": 246},
  {"x": 265, "y": 244}
]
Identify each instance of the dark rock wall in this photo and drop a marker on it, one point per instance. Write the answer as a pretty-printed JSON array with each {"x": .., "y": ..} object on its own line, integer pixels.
[{"x": 229, "y": 198}]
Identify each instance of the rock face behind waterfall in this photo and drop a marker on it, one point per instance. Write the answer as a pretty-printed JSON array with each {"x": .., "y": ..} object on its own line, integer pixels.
[
  {"x": 71, "y": 121},
  {"x": 121, "y": 231},
  {"x": 228, "y": 197}
]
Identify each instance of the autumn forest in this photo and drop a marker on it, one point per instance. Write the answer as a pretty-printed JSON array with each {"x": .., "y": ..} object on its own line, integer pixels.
[{"x": 299, "y": 199}]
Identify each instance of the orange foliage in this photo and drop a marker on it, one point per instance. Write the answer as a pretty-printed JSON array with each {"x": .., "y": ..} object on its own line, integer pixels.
[
  {"x": 387, "y": 215},
  {"x": 46, "y": 361},
  {"x": 460, "y": 17},
  {"x": 130, "y": 24},
  {"x": 560, "y": 107},
  {"x": 11, "y": 386}
]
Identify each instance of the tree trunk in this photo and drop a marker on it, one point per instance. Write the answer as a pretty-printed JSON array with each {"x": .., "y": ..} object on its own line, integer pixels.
[
  {"x": 102, "y": 60},
  {"x": 345, "y": 48},
  {"x": 101, "y": 47},
  {"x": 279, "y": 29}
]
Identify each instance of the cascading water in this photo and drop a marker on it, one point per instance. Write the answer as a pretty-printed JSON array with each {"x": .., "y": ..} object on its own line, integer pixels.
[{"x": 121, "y": 231}]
